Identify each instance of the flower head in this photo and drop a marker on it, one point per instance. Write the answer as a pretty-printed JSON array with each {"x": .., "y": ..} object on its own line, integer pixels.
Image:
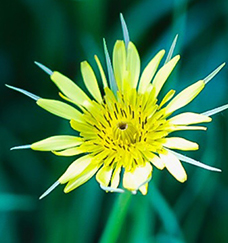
[{"x": 123, "y": 129}]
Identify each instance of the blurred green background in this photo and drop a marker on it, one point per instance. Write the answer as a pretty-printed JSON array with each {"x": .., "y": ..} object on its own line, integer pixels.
[{"x": 61, "y": 34}]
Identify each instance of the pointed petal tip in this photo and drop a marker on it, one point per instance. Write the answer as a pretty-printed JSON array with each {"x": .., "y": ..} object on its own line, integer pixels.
[
  {"x": 49, "y": 190},
  {"x": 21, "y": 147},
  {"x": 44, "y": 68},
  {"x": 25, "y": 92}
]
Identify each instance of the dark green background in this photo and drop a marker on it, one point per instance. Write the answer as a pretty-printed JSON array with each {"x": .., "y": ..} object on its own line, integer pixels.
[{"x": 61, "y": 34}]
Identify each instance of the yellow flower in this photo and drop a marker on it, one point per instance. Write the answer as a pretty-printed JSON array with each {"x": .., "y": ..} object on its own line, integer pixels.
[{"x": 123, "y": 128}]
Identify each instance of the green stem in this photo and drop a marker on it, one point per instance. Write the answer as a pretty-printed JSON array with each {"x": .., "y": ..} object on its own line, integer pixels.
[{"x": 116, "y": 219}]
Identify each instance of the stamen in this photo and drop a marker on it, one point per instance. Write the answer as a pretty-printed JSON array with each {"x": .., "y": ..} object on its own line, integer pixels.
[
  {"x": 31, "y": 95},
  {"x": 44, "y": 68},
  {"x": 49, "y": 190}
]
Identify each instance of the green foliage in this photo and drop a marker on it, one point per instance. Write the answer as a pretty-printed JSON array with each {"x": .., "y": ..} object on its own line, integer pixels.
[{"x": 61, "y": 34}]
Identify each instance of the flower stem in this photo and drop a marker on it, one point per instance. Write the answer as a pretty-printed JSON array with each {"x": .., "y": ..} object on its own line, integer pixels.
[{"x": 116, "y": 219}]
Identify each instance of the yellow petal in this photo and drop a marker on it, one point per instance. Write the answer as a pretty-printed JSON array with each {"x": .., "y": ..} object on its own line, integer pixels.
[
  {"x": 154, "y": 159},
  {"x": 103, "y": 176},
  {"x": 119, "y": 62},
  {"x": 90, "y": 81},
  {"x": 179, "y": 128},
  {"x": 164, "y": 73},
  {"x": 143, "y": 189},
  {"x": 103, "y": 77},
  {"x": 133, "y": 180},
  {"x": 180, "y": 143},
  {"x": 69, "y": 152},
  {"x": 188, "y": 118},
  {"x": 116, "y": 177},
  {"x": 185, "y": 97},
  {"x": 59, "y": 108},
  {"x": 76, "y": 168},
  {"x": 174, "y": 166},
  {"x": 56, "y": 143},
  {"x": 70, "y": 89},
  {"x": 149, "y": 72},
  {"x": 81, "y": 178},
  {"x": 133, "y": 65},
  {"x": 167, "y": 97}
]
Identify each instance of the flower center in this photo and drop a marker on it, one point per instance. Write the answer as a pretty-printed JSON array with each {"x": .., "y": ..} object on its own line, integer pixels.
[{"x": 122, "y": 126}]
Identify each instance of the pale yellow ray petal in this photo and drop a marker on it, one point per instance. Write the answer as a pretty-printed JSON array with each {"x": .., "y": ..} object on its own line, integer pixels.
[
  {"x": 188, "y": 118},
  {"x": 82, "y": 178},
  {"x": 179, "y": 128},
  {"x": 76, "y": 168},
  {"x": 60, "y": 108},
  {"x": 119, "y": 62},
  {"x": 116, "y": 177},
  {"x": 149, "y": 72},
  {"x": 174, "y": 166},
  {"x": 143, "y": 189},
  {"x": 103, "y": 77},
  {"x": 184, "y": 97},
  {"x": 180, "y": 143},
  {"x": 163, "y": 74},
  {"x": 69, "y": 152},
  {"x": 70, "y": 89},
  {"x": 103, "y": 176},
  {"x": 57, "y": 143},
  {"x": 167, "y": 97},
  {"x": 154, "y": 159},
  {"x": 90, "y": 81},
  {"x": 133, "y": 180},
  {"x": 133, "y": 65}
]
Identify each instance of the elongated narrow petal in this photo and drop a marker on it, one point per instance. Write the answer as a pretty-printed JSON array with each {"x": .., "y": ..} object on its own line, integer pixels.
[
  {"x": 215, "y": 111},
  {"x": 44, "y": 68},
  {"x": 211, "y": 75},
  {"x": 49, "y": 190},
  {"x": 29, "y": 94},
  {"x": 90, "y": 81},
  {"x": 194, "y": 162},
  {"x": 133, "y": 64},
  {"x": 119, "y": 62},
  {"x": 103, "y": 176},
  {"x": 180, "y": 143},
  {"x": 163, "y": 74},
  {"x": 174, "y": 166},
  {"x": 112, "y": 81},
  {"x": 112, "y": 189},
  {"x": 116, "y": 177},
  {"x": 27, "y": 146},
  {"x": 56, "y": 143},
  {"x": 69, "y": 152},
  {"x": 125, "y": 31},
  {"x": 188, "y": 118},
  {"x": 185, "y": 97},
  {"x": 132, "y": 180},
  {"x": 59, "y": 108},
  {"x": 171, "y": 50},
  {"x": 70, "y": 89},
  {"x": 179, "y": 128},
  {"x": 103, "y": 77},
  {"x": 81, "y": 178},
  {"x": 149, "y": 71},
  {"x": 167, "y": 97},
  {"x": 76, "y": 168}
]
